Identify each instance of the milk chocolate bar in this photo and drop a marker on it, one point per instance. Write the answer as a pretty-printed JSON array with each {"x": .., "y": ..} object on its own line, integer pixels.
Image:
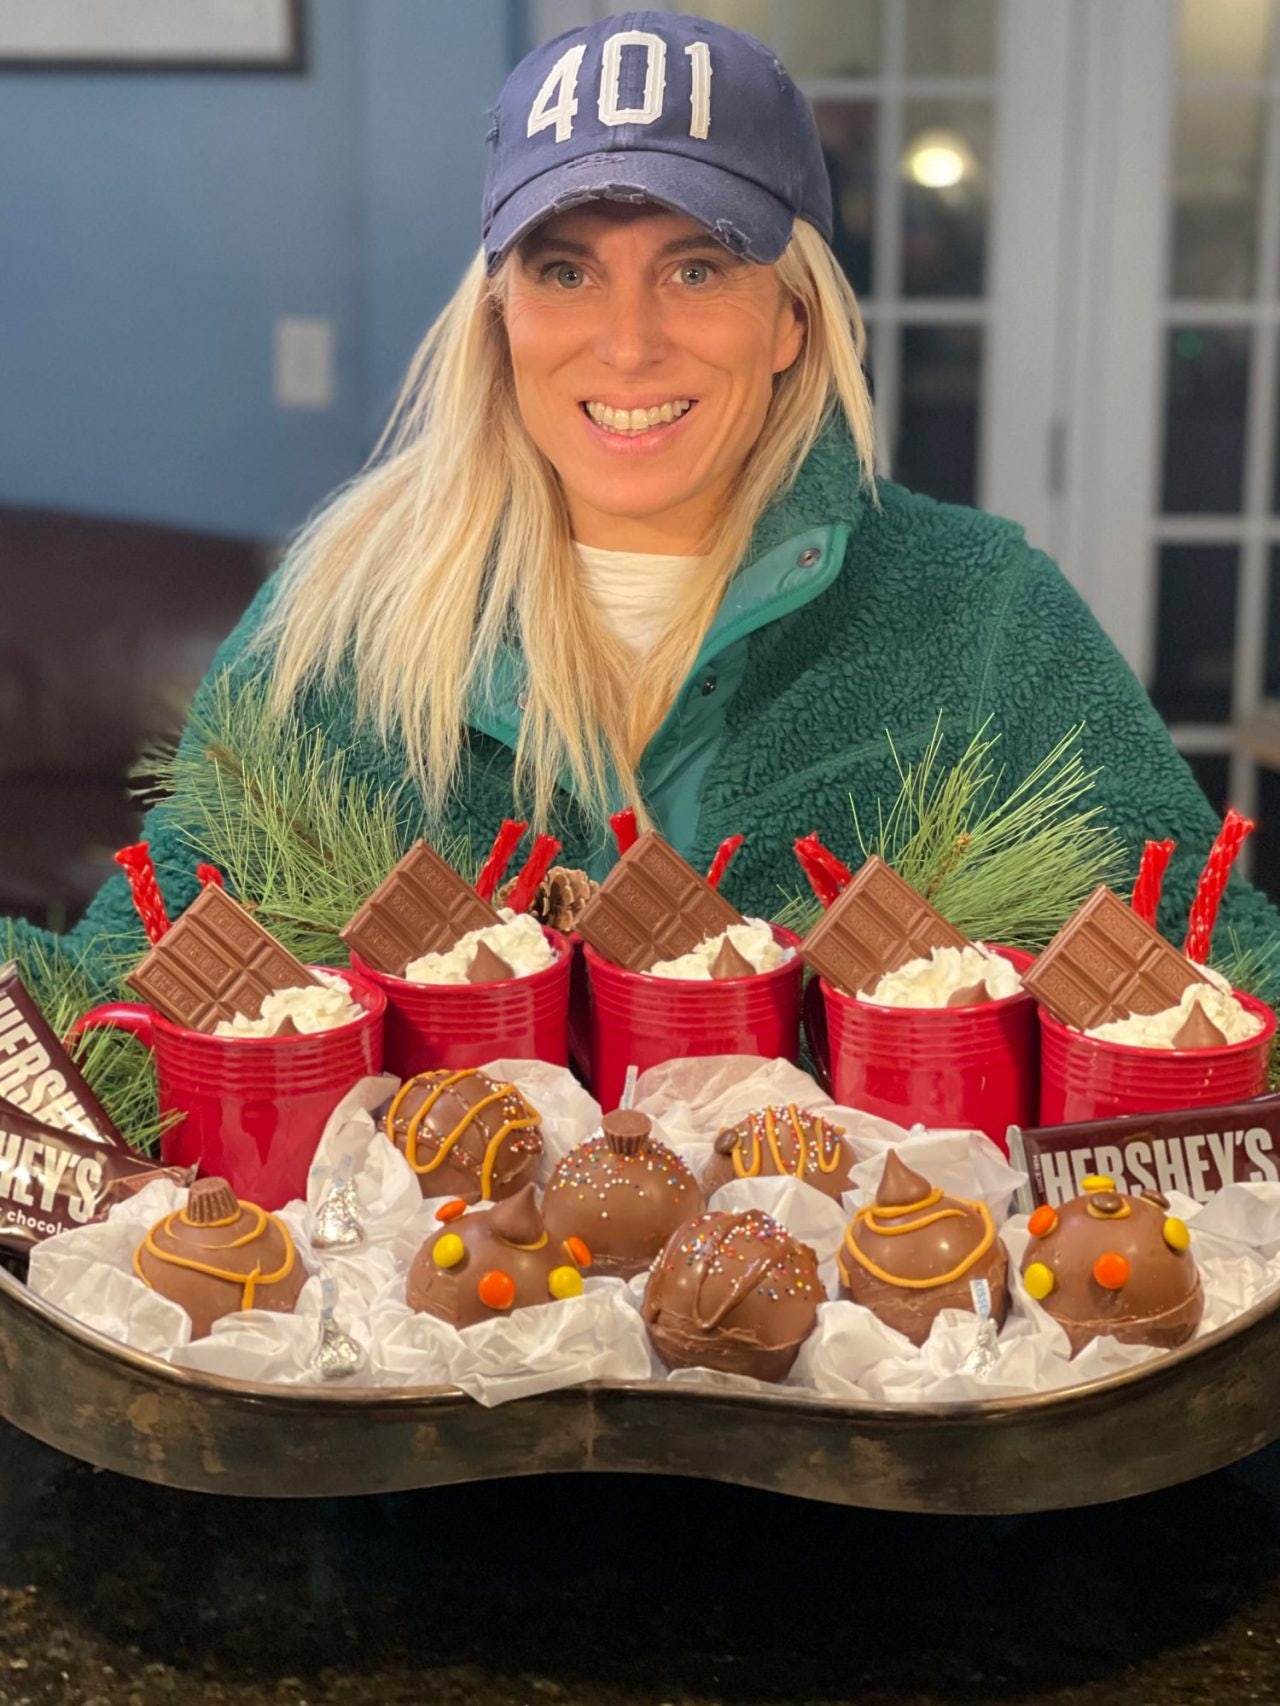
[
  {"x": 214, "y": 963},
  {"x": 53, "y": 1181},
  {"x": 877, "y": 923},
  {"x": 1193, "y": 1150},
  {"x": 37, "y": 1075},
  {"x": 651, "y": 907},
  {"x": 1106, "y": 963},
  {"x": 423, "y": 907}
]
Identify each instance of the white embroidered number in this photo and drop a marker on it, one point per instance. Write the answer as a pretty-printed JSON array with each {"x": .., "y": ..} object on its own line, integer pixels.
[
  {"x": 562, "y": 84},
  {"x": 655, "y": 78},
  {"x": 700, "y": 94}
]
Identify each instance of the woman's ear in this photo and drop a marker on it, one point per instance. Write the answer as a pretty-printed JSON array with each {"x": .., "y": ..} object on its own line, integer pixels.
[{"x": 792, "y": 328}]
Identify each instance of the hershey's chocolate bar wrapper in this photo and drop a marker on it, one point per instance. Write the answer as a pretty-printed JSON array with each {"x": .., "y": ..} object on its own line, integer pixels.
[
  {"x": 53, "y": 1181},
  {"x": 1193, "y": 1150},
  {"x": 37, "y": 1074}
]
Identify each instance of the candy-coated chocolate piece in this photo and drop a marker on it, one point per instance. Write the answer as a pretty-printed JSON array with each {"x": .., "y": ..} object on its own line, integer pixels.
[
  {"x": 1097, "y": 1182},
  {"x": 1111, "y": 1270},
  {"x": 1038, "y": 1280},
  {"x": 497, "y": 1289},
  {"x": 1042, "y": 1222},
  {"x": 1177, "y": 1234},
  {"x": 448, "y": 1251},
  {"x": 451, "y": 1210},
  {"x": 564, "y": 1282}
]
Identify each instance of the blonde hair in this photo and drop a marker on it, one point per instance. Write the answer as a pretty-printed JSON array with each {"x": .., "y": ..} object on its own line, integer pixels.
[{"x": 455, "y": 538}]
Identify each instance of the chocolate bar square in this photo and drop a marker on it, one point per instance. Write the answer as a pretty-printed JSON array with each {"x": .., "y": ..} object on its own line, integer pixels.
[
  {"x": 877, "y": 923},
  {"x": 214, "y": 963},
  {"x": 422, "y": 907},
  {"x": 1106, "y": 963},
  {"x": 652, "y": 907}
]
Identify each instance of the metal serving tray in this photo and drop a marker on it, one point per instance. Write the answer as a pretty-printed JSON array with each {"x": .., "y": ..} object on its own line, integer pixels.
[{"x": 1192, "y": 1411}]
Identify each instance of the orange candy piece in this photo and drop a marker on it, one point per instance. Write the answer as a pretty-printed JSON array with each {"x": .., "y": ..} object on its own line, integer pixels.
[
  {"x": 577, "y": 1252},
  {"x": 1042, "y": 1222},
  {"x": 497, "y": 1290},
  {"x": 451, "y": 1210},
  {"x": 1111, "y": 1270}
]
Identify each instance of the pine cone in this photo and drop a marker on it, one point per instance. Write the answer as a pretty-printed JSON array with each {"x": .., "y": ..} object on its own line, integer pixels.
[{"x": 558, "y": 898}]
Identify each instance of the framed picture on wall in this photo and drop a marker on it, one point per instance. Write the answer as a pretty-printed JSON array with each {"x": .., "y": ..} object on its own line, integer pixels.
[{"x": 159, "y": 35}]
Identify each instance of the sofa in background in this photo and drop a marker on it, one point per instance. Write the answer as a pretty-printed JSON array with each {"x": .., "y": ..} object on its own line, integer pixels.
[{"x": 106, "y": 628}]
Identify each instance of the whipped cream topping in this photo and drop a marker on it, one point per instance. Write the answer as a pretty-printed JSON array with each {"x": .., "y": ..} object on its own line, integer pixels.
[
  {"x": 1157, "y": 1030},
  {"x": 310, "y": 1007},
  {"x": 518, "y": 940},
  {"x": 930, "y": 981},
  {"x": 754, "y": 940}
]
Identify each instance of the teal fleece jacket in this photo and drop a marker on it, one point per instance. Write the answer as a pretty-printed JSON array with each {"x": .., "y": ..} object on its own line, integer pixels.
[{"x": 847, "y": 619}]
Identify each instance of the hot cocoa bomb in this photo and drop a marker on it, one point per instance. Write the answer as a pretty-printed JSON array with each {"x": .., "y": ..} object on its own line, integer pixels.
[
  {"x": 487, "y": 1262},
  {"x": 779, "y": 1142},
  {"x": 1107, "y": 1262},
  {"x": 915, "y": 1251},
  {"x": 219, "y": 1255},
  {"x": 734, "y": 1292},
  {"x": 464, "y": 1134},
  {"x": 622, "y": 1192}
]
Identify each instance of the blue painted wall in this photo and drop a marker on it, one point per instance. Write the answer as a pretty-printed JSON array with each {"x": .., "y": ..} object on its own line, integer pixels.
[{"x": 154, "y": 226}]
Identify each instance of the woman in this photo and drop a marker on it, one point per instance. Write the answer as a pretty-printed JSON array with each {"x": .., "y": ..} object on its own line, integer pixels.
[{"x": 622, "y": 542}]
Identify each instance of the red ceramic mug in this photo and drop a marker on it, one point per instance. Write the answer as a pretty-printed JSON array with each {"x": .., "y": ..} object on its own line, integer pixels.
[
  {"x": 641, "y": 1020},
  {"x": 1084, "y": 1079},
  {"x": 972, "y": 1067},
  {"x": 253, "y": 1108},
  {"x": 465, "y": 1024}
]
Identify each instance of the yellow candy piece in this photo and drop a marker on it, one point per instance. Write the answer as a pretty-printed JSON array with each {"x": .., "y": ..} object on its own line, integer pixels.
[
  {"x": 1097, "y": 1182},
  {"x": 1176, "y": 1233},
  {"x": 564, "y": 1282},
  {"x": 448, "y": 1251},
  {"x": 1038, "y": 1280}
]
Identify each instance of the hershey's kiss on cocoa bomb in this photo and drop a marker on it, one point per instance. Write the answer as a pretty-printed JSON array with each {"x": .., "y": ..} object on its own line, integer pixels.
[
  {"x": 623, "y": 1192},
  {"x": 734, "y": 1292},
  {"x": 463, "y": 1133},
  {"x": 489, "y": 1261},
  {"x": 1107, "y": 1262},
  {"x": 781, "y": 1142},
  {"x": 219, "y": 1255},
  {"x": 915, "y": 1251}
]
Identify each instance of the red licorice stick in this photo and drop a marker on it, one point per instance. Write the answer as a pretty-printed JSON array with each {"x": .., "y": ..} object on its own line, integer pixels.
[
  {"x": 1213, "y": 879},
  {"x": 536, "y": 867},
  {"x": 494, "y": 868},
  {"x": 836, "y": 869},
  {"x": 1146, "y": 891},
  {"x": 141, "y": 873},
  {"x": 724, "y": 858},
  {"x": 821, "y": 881},
  {"x": 209, "y": 876},
  {"x": 623, "y": 825}
]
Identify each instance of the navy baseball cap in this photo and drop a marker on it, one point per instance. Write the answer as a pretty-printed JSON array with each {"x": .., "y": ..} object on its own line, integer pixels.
[{"x": 655, "y": 106}]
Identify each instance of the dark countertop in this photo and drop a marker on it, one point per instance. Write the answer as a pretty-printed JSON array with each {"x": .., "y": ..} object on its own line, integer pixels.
[{"x": 609, "y": 1591}]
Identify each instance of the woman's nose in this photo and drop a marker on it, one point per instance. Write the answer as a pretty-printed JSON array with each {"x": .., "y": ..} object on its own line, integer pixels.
[{"x": 631, "y": 335}]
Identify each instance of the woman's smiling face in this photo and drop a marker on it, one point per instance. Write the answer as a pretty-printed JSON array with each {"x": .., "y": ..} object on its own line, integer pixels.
[{"x": 612, "y": 308}]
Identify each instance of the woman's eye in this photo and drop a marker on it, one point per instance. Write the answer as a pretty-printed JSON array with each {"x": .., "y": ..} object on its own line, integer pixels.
[
  {"x": 565, "y": 274},
  {"x": 696, "y": 272}
]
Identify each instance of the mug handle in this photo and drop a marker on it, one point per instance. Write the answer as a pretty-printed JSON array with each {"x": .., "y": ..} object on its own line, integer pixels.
[
  {"x": 815, "y": 1030},
  {"x": 129, "y": 1016}
]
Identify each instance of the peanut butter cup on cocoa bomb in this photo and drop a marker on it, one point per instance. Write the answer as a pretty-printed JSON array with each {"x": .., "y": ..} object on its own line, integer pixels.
[
  {"x": 734, "y": 1292},
  {"x": 483, "y": 1263},
  {"x": 622, "y": 1191},
  {"x": 219, "y": 1255},
  {"x": 777, "y": 1142},
  {"x": 464, "y": 1134},
  {"x": 915, "y": 1251},
  {"x": 1107, "y": 1262}
]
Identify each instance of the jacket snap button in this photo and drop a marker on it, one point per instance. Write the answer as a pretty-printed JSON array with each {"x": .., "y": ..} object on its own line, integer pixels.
[
  {"x": 808, "y": 558},
  {"x": 708, "y": 686}
]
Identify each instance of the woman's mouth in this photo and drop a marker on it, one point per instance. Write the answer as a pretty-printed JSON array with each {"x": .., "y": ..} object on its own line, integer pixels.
[{"x": 636, "y": 427}]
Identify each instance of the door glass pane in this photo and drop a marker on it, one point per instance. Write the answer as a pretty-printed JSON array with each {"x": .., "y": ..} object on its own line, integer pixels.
[
  {"x": 946, "y": 189},
  {"x": 1217, "y": 176},
  {"x": 826, "y": 38},
  {"x": 1207, "y": 388},
  {"x": 1213, "y": 772},
  {"x": 1271, "y": 663},
  {"x": 1195, "y": 632},
  {"x": 951, "y": 38},
  {"x": 848, "y": 133},
  {"x": 1224, "y": 38},
  {"x": 937, "y": 449}
]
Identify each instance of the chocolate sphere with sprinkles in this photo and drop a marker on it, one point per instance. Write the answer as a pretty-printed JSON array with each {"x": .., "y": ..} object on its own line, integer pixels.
[
  {"x": 623, "y": 1192},
  {"x": 733, "y": 1292},
  {"x": 464, "y": 1134},
  {"x": 778, "y": 1142},
  {"x": 483, "y": 1263}
]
